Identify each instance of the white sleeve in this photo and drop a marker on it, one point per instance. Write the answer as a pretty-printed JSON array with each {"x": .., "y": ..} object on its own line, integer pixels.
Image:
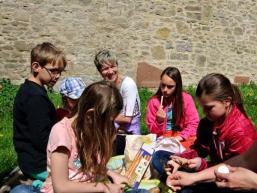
[{"x": 130, "y": 97}]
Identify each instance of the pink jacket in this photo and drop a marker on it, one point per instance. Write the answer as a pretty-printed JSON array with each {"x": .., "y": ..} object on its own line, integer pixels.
[{"x": 187, "y": 126}]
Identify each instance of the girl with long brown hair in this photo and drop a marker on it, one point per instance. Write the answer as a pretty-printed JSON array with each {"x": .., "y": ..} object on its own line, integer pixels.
[
  {"x": 225, "y": 132},
  {"x": 171, "y": 111},
  {"x": 79, "y": 147}
]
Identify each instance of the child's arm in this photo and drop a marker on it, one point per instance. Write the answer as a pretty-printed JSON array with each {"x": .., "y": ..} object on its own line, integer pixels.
[
  {"x": 180, "y": 179},
  {"x": 61, "y": 182},
  {"x": 152, "y": 124}
]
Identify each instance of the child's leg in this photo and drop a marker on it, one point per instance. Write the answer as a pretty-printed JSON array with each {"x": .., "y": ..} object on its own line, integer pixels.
[
  {"x": 22, "y": 188},
  {"x": 39, "y": 179},
  {"x": 160, "y": 158}
]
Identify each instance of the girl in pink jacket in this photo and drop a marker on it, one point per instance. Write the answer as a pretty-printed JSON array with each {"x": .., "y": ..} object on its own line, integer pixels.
[{"x": 171, "y": 112}]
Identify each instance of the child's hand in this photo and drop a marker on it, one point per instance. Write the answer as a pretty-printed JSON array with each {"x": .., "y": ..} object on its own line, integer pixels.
[
  {"x": 191, "y": 164},
  {"x": 179, "y": 180},
  {"x": 175, "y": 163},
  {"x": 120, "y": 180},
  {"x": 160, "y": 115},
  {"x": 183, "y": 162},
  {"x": 171, "y": 167},
  {"x": 114, "y": 188},
  {"x": 117, "y": 178},
  {"x": 194, "y": 163}
]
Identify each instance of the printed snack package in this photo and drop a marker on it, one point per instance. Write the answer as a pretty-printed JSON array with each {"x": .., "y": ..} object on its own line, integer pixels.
[{"x": 139, "y": 165}]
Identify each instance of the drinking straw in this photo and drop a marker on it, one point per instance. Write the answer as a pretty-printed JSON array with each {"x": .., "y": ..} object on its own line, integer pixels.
[{"x": 161, "y": 99}]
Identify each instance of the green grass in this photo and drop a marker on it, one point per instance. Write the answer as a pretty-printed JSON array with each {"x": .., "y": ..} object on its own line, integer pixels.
[
  {"x": 8, "y": 92},
  {"x": 7, "y": 153},
  {"x": 144, "y": 94}
]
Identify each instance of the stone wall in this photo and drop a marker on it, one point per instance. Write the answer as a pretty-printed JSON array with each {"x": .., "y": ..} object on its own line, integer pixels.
[{"x": 197, "y": 36}]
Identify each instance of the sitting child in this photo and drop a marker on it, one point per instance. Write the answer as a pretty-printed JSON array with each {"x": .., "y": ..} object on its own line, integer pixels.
[
  {"x": 80, "y": 147},
  {"x": 226, "y": 131},
  {"x": 171, "y": 112},
  {"x": 71, "y": 89}
]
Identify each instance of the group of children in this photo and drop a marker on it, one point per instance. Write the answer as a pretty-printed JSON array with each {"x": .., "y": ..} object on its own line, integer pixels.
[{"x": 70, "y": 155}]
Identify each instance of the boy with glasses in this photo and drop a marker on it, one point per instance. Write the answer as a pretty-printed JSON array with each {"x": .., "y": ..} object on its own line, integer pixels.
[{"x": 33, "y": 112}]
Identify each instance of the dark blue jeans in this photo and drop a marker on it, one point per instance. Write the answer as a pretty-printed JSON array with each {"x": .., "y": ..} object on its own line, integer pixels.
[
  {"x": 22, "y": 188},
  {"x": 159, "y": 160}
]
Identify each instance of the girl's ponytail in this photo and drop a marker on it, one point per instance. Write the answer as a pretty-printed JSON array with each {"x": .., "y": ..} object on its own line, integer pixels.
[{"x": 238, "y": 99}]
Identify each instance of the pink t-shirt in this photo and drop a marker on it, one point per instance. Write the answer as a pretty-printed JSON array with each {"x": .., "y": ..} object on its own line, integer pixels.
[{"x": 62, "y": 134}]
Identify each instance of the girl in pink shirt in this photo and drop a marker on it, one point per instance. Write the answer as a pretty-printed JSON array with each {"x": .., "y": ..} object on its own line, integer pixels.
[
  {"x": 79, "y": 147},
  {"x": 172, "y": 112}
]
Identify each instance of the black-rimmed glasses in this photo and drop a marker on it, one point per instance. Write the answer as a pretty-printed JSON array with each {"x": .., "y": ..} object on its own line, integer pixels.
[{"x": 54, "y": 71}]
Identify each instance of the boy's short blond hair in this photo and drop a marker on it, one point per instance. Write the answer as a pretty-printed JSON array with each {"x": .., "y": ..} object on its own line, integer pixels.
[{"x": 47, "y": 53}]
